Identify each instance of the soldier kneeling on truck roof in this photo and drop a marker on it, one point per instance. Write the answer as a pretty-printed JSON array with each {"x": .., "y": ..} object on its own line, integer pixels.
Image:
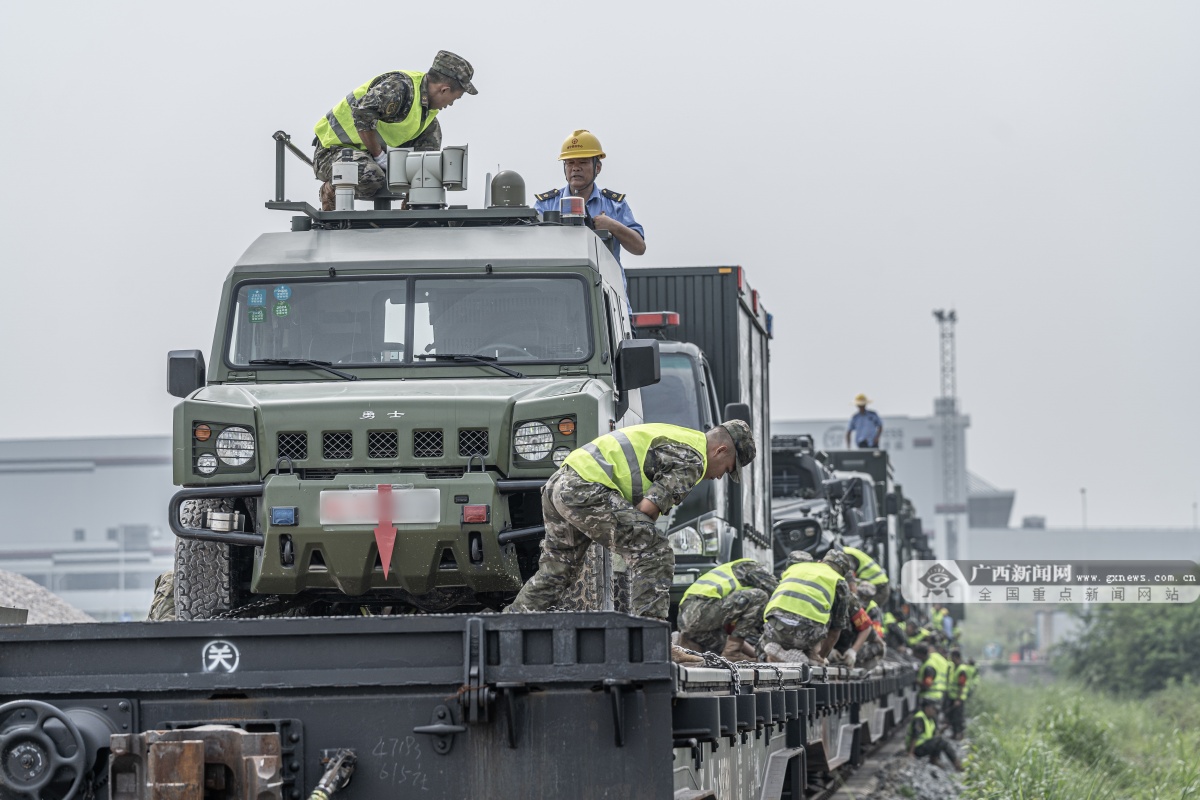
[
  {"x": 611, "y": 491},
  {"x": 724, "y": 608},
  {"x": 808, "y": 610}
]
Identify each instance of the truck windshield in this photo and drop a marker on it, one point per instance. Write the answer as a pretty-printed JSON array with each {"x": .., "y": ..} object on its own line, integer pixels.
[
  {"x": 389, "y": 321},
  {"x": 676, "y": 398}
]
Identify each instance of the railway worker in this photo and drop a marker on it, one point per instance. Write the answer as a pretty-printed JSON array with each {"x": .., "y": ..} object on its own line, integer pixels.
[
  {"x": 865, "y": 426},
  {"x": 917, "y": 635},
  {"x": 922, "y": 740},
  {"x": 932, "y": 675},
  {"x": 395, "y": 109},
  {"x": 730, "y": 598},
  {"x": 581, "y": 155},
  {"x": 612, "y": 490},
  {"x": 960, "y": 687},
  {"x": 868, "y": 569},
  {"x": 808, "y": 610}
]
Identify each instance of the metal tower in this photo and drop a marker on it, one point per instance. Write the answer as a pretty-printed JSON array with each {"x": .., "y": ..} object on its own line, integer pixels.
[{"x": 946, "y": 408}]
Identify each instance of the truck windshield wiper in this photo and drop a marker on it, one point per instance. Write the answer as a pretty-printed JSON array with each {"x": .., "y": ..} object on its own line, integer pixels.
[
  {"x": 304, "y": 362},
  {"x": 469, "y": 358}
]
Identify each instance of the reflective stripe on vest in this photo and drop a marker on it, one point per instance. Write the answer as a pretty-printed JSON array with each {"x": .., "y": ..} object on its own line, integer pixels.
[
  {"x": 936, "y": 690},
  {"x": 618, "y": 459},
  {"x": 806, "y": 589},
  {"x": 868, "y": 568},
  {"x": 718, "y": 583},
  {"x": 926, "y": 734},
  {"x": 337, "y": 128},
  {"x": 889, "y": 618}
]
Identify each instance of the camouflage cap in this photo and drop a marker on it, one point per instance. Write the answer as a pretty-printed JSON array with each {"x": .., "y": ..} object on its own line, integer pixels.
[
  {"x": 456, "y": 67},
  {"x": 743, "y": 445},
  {"x": 840, "y": 561},
  {"x": 798, "y": 557},
  {"x": 866, "y": 591}
]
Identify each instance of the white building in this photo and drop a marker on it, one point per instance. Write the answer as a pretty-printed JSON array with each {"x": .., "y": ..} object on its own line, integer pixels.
[{"x": 86, "y": 518}]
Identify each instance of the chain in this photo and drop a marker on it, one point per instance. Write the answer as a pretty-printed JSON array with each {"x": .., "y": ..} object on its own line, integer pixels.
[
  {"x": 273, "y": 602},
  {"x": 778, "y": 672},
  {"x": 714, "y": 660}
]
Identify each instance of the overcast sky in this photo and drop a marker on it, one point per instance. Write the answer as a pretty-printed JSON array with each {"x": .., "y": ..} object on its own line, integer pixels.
[{"x": 1035, "y": 165}]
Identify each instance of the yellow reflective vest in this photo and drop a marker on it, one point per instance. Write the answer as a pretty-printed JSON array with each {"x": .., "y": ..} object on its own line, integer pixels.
[
  {"x": 337, "y": 128},
  {"x": 717, "y": 583},
  {"x": 806, "y": 589},
  {"x": 941, "y": 678},
  {"x": 868, "y": 568},
  {"x": 960, "y": 682},
  {"x": 618, "y": 459},
  {"x": 926, "y": 734}
]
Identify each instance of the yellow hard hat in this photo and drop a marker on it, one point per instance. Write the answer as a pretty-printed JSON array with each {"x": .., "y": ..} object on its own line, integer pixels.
[
  {"x": 861, "y": 400},
  {"x": 581, "y": 144}
]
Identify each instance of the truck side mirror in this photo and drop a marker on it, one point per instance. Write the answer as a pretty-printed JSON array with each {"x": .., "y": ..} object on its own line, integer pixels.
[
  {"x": 185, "y": 372},
  {"x": 638, "y": 364},
  {"x": 737, "y": 411},
  {"x": 891, "y": 505}
]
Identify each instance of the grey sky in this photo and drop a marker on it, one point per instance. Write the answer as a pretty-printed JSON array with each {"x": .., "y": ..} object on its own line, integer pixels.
[{"x": 1034, "y": 165}]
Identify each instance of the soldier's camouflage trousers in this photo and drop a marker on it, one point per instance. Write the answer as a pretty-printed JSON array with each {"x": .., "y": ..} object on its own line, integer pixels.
[
  {"x": 371, "y": 177},
  {"x": 871, "y": 653},
  {"x": 576, "y": 514},
  {"x": 792, "y": 632},
  {"x": 704, "y": 620}
]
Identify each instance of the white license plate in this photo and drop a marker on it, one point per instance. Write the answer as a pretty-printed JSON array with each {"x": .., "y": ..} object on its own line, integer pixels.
[
  {"x": 683, "y": 579},
  {"x": 371, "y": 506}
]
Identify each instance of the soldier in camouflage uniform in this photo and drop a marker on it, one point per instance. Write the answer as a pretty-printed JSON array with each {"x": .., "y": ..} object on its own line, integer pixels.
[
  {"x": 789, "y": 636},
  {"x": 162, "y": 607},
  {"x": 612, "y": 490},
  {"x": 405, "y": 104},
  {"x": 859, "y": 645},
  {"x": 724, "y": 608}
]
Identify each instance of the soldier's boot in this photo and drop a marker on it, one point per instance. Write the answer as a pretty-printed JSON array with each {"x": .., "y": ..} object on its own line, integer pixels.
[
  {"x": 778, "y": 654},
  {"x": 684, "y": 641},
  {"x": 681, "y": 656},
  {"x": 733, "y": 649},
  {"x": 328, "y": 203}
]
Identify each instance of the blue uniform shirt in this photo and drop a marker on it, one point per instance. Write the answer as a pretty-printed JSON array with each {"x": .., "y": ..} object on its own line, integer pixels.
[
  {"x": 865, "y": 425},
  {"x": 598, "y": 203}
]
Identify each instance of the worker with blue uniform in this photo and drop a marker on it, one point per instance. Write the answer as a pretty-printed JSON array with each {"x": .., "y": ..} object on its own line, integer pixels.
[{"x": 581, "y": 155}]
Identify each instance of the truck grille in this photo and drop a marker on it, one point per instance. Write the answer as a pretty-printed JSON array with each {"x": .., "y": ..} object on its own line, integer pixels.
[
  {"x": 337, "y": 445},
  {"x": 292, "y": 446},
  {"x": 472, "y": 442},
  {"x": 382, "y": 444},
  {"x": 427, "y": 444}
]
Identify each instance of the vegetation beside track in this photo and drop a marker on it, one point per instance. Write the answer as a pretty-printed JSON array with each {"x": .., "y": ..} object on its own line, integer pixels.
[{"x": 1066, "y": 742}]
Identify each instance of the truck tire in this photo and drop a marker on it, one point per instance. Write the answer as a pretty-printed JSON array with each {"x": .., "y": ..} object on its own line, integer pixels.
[{"x": 205, "y": 581}]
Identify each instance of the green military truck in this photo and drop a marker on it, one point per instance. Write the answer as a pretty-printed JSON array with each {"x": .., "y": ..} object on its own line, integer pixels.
[{"x": 386, "y": 393}]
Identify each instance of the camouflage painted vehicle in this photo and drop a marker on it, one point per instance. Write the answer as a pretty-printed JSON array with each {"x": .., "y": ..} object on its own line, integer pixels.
[{"x": 386, "y": 394}]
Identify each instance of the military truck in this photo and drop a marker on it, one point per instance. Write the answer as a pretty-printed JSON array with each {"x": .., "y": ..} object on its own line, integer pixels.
[
  {"x": 715, "y": 356},
  {"x": 386, "y": 393}
]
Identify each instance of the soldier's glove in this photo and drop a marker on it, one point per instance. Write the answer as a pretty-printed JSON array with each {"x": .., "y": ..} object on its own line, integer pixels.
[
  {"x": 849, "y": 657},
  {"x": 834, "y": 656},
  {"x": 381, "y": 160}
]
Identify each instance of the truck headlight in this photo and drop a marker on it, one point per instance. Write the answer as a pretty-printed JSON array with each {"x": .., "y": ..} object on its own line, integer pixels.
[
  {"x": 685, "y": 541},
  {"x": 560, "y": 455},
  {"x": 206, "y": 464},
  {"x": 710, "y": 534},
  {"x": 533, "y": 441},
  {"x": 235, "y": 446}
]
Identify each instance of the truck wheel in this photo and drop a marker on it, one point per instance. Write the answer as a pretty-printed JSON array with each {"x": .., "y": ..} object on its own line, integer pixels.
[{"x": 206, "y": 580}]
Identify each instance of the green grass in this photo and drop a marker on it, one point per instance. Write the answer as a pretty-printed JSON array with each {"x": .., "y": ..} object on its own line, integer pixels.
[{"x": 1063, "y": 742}]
